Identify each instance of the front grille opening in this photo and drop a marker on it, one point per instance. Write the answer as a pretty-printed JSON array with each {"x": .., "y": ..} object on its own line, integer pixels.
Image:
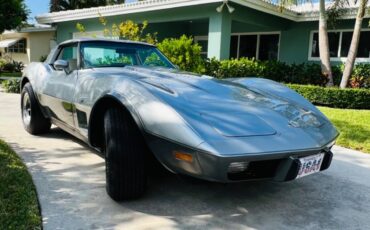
[{"x": 257, "y": 170}]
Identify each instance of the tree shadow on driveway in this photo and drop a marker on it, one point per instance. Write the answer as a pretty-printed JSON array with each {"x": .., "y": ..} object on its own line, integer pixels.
[{"x": 71, "y": 185}]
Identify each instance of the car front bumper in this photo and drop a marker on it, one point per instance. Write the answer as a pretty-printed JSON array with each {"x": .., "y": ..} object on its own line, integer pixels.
[{"x": 276, "y": 166}]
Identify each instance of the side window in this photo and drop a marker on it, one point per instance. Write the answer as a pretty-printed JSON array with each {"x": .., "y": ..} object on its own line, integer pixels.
[
  {"x": 150, "y": 58},
  {"x": 69, "y": 54},
  {"x": 105, "y": 56}
]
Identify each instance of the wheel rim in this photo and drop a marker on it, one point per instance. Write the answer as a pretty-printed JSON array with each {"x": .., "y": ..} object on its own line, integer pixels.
[{"x": 26, "y": 109}]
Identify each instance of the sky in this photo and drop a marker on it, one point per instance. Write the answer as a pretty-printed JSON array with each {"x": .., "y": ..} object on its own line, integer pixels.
[{"x": 38, "y": 7}]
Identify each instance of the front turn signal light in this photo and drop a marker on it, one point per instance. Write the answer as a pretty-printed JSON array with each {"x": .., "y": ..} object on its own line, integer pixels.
[{"x": 183, "y": 156}]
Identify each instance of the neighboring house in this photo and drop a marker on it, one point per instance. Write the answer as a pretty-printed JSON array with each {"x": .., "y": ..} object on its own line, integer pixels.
[
  {"x": 28, "y": 44},
  {"x": 240, "y": 28}
]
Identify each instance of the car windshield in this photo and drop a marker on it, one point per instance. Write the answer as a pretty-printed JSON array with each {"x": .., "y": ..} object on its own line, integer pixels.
[{"x": 117, "y": 54}]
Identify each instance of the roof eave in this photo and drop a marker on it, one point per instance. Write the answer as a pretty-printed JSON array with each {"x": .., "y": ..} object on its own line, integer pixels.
[
  {"x": 269, "y": 8},
  {"x": 128, "y": 8},
  {"x": 152, "y": 5}
]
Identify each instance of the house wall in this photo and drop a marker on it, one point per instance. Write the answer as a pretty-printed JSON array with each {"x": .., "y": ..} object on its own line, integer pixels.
[
  {"x": 168, "y": 23},
  {"x": 20, "y": 57},
  {"x": 204, "y": 20},
  {"x": 295, "y": 39},
  {"x": 40, "y": 44}
]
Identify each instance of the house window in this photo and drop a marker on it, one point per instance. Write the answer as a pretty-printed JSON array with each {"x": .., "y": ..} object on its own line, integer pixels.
[
  {"x": 247, "y": 46},
  {"x": 234, "y": 43},
  {"x": 333, "y": 45},
  {"x": 203, "y": 42},
  {"x": 259, "y": 46},
  {"x": 269, "y": 47},
  {"x": 263, "y": 46},
  {"x": 339, "y": 44},
  {"x": 19, "y": 47}
]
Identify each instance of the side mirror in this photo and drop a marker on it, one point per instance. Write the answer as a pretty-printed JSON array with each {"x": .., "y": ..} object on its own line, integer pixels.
[{"x": 60, "y": 65}]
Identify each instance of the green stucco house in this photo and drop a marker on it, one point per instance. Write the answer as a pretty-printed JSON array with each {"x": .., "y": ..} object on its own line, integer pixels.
[{"x": 225, "y": 29}]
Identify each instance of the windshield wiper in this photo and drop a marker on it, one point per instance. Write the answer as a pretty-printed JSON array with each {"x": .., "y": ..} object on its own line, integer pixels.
[{"x": 110, "y": 65}]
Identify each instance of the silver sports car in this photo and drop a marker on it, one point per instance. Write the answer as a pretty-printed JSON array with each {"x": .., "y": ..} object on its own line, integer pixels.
[{"x": 129, "y": 102}]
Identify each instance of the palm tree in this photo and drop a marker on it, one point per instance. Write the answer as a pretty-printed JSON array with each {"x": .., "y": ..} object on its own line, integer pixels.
[
  {"x": 323, "y": 36},
  {"x": 324, "y": 45},
  {"x": 352, "y": 53},
  {"x": 61, "y": 5}
]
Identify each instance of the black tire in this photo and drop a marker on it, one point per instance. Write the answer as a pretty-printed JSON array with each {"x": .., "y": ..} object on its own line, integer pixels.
[
  {"x": 34, "y": 121},
  {"x": 125, "y": 152}
]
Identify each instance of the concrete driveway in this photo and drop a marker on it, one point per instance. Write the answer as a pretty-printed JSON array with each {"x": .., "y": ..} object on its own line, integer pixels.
[{"x": 70, "y": 182}]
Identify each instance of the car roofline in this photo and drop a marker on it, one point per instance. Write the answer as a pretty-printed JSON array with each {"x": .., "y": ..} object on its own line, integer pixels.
[{"x": 76, "y": 40}]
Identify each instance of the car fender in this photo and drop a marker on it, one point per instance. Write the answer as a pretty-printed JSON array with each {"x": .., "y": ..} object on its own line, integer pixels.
[{"x": 151, "y": 114}]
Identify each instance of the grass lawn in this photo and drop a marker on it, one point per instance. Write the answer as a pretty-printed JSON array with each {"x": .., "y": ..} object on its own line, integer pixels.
[
  {"x": 353, "y": 125},
  {"x": 15, "y": 74},
  {"x": 18, "y": 200}
]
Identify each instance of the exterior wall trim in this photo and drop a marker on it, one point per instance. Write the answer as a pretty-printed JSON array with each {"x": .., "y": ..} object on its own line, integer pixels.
[
  {"x": 152, "y": 5},
  {"x": 127, "y": 8}
]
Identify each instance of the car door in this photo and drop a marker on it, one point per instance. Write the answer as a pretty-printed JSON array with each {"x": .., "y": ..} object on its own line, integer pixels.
[{"x": 60, "y": 87}]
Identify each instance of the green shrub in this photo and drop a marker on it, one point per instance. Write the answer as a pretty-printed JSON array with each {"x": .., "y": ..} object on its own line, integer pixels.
[
  {"x": 183, "y": 52},
  {"x": 2, "y": 64},
  {"x": 278, "y": 71},
  {"x": 11, "y": 86},
  {"x": 337, "y": 73},
  {"x": 361, "y": 76},
  {"x": 10, "y": 66},
  {"x": 18, "y": 66},
  {"x": 334, "y": 97},
  {"x": 43, "y": 58},
  {"x": 305, "y": 73}
]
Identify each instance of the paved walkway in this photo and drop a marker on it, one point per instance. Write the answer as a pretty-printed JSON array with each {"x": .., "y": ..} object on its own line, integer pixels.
[{"x": 70, "y": 181}]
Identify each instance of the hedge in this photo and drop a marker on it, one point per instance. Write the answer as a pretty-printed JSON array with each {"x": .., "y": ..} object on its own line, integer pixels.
[
  {"x": 334, "y": 97},
  {"x": 305, "y": 73},
  {"x": 11, "y": 86}
]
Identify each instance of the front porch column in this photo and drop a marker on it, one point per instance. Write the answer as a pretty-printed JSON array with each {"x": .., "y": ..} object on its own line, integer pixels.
[{"x": 219, "y": 34}]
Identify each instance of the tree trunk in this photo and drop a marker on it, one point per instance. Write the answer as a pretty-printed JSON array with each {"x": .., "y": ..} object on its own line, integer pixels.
[
  {"x": 324, "y": 45},
  {"x": 352, "y": 53}
]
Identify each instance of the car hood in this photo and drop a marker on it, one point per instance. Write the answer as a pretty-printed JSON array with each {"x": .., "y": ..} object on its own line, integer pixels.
[{"x": 232, "y": 109}]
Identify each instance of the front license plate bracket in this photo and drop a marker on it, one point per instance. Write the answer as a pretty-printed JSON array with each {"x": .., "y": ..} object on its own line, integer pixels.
[{"x": 310, "y": 164}]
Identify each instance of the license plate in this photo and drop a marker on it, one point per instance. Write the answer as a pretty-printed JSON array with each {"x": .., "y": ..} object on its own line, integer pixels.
[{"x": 310, "y": 165}]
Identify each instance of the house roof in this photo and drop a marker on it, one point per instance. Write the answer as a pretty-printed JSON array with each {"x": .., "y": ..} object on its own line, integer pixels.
[
  {"x": 37, "y": 29},
  {"x": 305, "y": 12},
  {"x": 30, "y": 30},
  {"x": 8, "y": 42}
]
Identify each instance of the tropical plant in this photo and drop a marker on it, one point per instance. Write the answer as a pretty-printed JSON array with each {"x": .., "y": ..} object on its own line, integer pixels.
[
  {"x": 324, "y": 45},
  {"x": 129, "y": 30},
  {"x": 12, "y": 14},
  {"x": 126, "y": 30},
  {"x": 2, "y": 64},
  {"x": 11, "y": 86},
  {"x": 323, "y": 34},
  {"x": 18, "y": 66},
  {"x": 43, "y": 58},
  {"x": 183, "y": 52},
  {"x": 352, "y": 53}
]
